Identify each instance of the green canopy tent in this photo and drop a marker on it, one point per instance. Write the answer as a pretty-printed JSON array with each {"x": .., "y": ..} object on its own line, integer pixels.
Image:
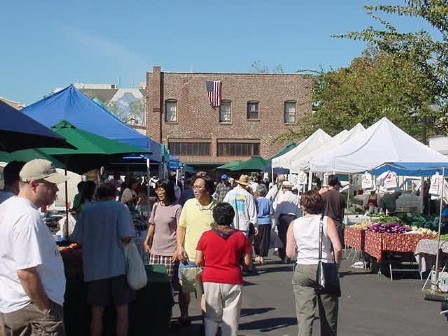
[
  {"x": 278, "y": 170},
  {"x": 92, "y": 151},
  {"x": 229, "y": 165},
  {"x": 255, "y": 163},
  {"x": 28, "y": 155},
  {"x": 284, "y": 150}
]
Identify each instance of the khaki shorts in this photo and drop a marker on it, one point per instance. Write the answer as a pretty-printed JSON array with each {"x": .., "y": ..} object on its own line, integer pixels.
[
  {"x": 111, "y": 290},
  {"x": 30, "y": 320}
]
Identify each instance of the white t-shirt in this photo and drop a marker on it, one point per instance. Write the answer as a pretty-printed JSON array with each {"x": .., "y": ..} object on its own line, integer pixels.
[
  {"x": 25, "y": 242},
  {"x": 245, "y": 208}
]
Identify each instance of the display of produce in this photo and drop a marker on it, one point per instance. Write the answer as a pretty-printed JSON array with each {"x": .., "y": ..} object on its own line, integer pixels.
[
  {"x": 362, "y": 225},
  {"x": 421, "y": 221},
  {"x": 382, "y": 218},
  {"x": 421, "y": 230},
  {"x": 388, "y": 228}
]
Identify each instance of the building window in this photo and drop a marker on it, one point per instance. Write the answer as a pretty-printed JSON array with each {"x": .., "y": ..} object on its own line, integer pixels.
[
  {"x": 189, "y": 148},
  {"x": 252, "y": 110},
  {"x": 290, "y": 112},
  {"x": 238, "y": 149},
  {"x": 171, "y": 111},
  {"x": 224, "y": 112}
]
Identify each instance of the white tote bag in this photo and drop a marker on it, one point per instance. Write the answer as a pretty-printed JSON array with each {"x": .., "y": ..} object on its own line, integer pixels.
[{"x": 136, "y": 273}]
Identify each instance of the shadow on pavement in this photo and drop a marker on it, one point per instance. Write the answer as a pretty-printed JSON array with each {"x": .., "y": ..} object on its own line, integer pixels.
[
  {"x": 343, "y": 274},
  {"x": 248, "y": 283},
  {"x": 255, "y": 311},
  {"x": 269, "y": 324},
  {"x": 283, "y": 268}
]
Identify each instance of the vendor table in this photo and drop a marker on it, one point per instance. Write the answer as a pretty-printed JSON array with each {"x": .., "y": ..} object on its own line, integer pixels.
[
  {"x": 382, "y": 246},
  {"x": 354, "y": 237},
  {"x": 150, "y": 313},
  {"x": 426, "y": 251}
]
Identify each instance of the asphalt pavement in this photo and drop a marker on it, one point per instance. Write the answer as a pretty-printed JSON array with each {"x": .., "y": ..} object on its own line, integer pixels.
[{"x": 370, "y": 305}]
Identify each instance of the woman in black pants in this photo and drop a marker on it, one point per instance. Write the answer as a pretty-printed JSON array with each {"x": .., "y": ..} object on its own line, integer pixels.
[{"x": 264, "y": 220}]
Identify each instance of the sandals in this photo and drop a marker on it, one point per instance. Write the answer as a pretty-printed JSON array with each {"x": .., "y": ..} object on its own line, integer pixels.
[{"x": 259, "y": 261}]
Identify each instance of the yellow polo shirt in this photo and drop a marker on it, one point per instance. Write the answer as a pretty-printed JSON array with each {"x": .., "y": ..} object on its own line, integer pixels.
[{"x": 197, "y": 219}]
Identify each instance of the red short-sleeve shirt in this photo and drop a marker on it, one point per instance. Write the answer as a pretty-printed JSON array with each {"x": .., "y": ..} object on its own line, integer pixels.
[{"x": 222, "y": 257}]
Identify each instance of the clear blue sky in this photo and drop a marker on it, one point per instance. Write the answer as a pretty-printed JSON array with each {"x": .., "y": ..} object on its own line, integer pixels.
[{"x": 48, "y": 44}]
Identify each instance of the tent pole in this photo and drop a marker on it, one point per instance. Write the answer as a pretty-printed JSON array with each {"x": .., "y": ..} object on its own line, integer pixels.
[
  {"x": 435, "y": 285},
  {"x": 421, "y": 197},
  {"x": 65, "y": 235},
  {"x": 348, "y": 194},
  {"x": 310, "y": 179},
  {"x": 148, "y": 193}
]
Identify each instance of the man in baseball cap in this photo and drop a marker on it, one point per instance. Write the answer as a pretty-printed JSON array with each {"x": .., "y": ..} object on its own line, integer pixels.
[
  {"x": 33, "y": 276},
  {"x": 40, "y": 169}
]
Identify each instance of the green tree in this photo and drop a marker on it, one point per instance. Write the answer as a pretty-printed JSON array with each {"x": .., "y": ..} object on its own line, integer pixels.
[
  {"x": 375, "y": 85},
  {"x": 428, "y": 52}
]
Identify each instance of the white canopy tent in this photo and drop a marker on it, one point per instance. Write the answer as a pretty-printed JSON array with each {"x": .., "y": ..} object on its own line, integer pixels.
[
  {"x": 309, "y": 144},
  {"x": 382, "y": 142},
  {"x": 303, "y": 163}
]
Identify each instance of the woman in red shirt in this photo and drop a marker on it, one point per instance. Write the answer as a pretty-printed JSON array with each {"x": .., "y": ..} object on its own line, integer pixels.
[{"x": 220, "y": 251}]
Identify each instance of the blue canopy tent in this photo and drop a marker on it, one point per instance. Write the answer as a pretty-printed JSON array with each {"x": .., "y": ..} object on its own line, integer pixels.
[
  {"x": 18, "y": 131},
  {"x": 420, "y": 169},
  {"x": 412, "y": 168},
  {"x": 74, "y": 106}
]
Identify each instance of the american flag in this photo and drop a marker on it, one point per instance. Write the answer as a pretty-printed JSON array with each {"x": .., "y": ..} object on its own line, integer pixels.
[{"x": 214, "y": 93}]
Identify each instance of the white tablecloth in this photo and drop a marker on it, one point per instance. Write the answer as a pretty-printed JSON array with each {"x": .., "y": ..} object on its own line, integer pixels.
[{"x": 426, "y": 251}]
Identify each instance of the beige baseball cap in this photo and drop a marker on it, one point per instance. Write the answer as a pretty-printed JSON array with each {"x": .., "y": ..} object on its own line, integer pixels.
[{"x": 40, "y": 169}]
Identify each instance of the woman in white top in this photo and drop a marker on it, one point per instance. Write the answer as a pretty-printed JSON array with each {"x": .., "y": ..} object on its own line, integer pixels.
[{"x": 303, "y": 239}]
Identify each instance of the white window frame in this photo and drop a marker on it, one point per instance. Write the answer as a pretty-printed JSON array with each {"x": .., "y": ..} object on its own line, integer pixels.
[
  {"x": 171, "y": 110},
  {"x": 225, "y": 116},
  {"x": 290, "y": 110}
]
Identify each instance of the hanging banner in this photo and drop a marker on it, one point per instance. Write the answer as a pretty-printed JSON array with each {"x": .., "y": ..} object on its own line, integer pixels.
[
  {"x": 302, "y": 178},
  {"x": 437, "y": 185},
  {"x": 390, "y": 181},
  {"x": 367, "y": 181}
]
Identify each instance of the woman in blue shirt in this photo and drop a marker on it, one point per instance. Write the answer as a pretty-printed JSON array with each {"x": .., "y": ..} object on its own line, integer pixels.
[{"x": 265, "y": 212}]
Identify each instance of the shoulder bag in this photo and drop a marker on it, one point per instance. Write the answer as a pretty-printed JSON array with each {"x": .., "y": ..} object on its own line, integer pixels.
[
  {"x": 191, "y": 281},
  {"x": 327, "y": 276},
  {"x": 135, "y": 270}
]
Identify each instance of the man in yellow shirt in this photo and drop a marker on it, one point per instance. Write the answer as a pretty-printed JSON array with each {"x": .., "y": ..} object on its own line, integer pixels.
[{"x": 195, "y": 219}]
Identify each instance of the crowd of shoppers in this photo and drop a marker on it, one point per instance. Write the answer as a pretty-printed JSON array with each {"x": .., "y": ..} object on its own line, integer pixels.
[{"x": 206, "y": 225}]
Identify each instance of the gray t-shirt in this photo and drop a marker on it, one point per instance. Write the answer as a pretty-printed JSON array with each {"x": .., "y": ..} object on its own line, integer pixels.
[
  {"x": 165, "y": 219},
  {"x": 100, "y": 227}
]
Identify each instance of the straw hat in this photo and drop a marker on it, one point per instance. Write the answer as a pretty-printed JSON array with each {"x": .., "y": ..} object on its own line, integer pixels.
[
  {"x": 287, "y": 184},
  {"x": 243, "y": 180}
]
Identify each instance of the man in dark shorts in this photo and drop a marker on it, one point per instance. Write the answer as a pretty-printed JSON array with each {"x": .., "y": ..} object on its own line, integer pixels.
[
  {"x": 335, "y": 205},
  {"x": 102, "y": 229}
]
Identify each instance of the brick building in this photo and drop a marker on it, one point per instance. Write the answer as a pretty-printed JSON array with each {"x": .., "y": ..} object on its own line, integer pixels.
[{"x": 255, "y": 110}]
